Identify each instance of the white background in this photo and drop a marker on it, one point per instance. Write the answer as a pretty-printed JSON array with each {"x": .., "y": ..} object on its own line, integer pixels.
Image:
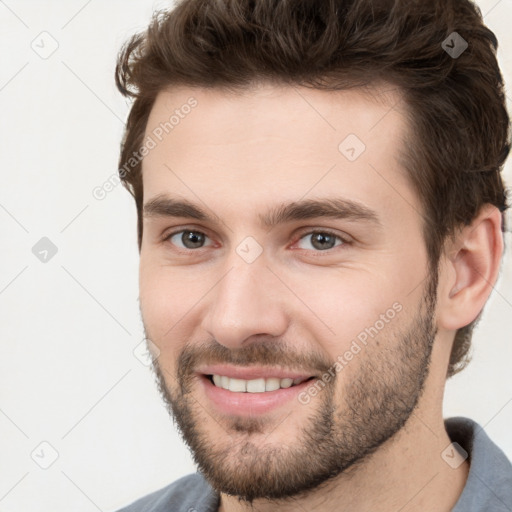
[{"x": 69, "y": 327}]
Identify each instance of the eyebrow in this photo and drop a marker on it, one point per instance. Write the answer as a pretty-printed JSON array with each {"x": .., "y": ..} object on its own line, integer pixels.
[{"x": 335, "y": 208}]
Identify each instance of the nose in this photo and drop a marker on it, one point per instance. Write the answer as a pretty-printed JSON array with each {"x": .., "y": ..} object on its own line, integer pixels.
[{"x": 249, "y": 300}]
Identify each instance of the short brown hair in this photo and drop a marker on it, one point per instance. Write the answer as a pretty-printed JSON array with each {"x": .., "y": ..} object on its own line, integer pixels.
[{"x": 460, "y": 136}]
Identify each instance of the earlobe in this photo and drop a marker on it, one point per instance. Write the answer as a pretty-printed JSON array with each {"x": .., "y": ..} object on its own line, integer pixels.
[{"x": 471, "y": 269}]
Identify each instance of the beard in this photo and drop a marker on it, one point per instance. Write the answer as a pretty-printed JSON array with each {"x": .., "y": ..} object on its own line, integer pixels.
[{"x": 346, "y": 423}]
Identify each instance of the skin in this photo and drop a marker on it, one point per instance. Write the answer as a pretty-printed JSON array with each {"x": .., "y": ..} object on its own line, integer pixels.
[{"x": 238, "y": 156}]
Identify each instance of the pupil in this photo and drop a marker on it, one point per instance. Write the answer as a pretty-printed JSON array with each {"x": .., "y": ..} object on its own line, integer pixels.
[
  {"x": 192, "y": 239},
  {"x": 323, "y": 241}
]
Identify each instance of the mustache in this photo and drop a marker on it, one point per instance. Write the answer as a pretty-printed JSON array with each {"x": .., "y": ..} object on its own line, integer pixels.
[{"x": 262, "y": 353}]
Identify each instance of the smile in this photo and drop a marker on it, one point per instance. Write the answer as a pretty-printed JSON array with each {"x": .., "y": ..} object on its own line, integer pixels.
[{"x": 260, "y": 385}]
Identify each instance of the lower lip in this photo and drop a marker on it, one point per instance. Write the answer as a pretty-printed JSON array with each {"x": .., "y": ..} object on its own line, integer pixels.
[{"x": 250, "y": 404}]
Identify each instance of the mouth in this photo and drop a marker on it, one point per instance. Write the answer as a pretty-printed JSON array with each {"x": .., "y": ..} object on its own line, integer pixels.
[
  {"x": 260, "y": 385},
  {"x": 251, "y": 391}
]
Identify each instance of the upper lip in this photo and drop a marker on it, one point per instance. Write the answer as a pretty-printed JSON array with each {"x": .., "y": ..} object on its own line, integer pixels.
[{"x": 252, "y": 372}]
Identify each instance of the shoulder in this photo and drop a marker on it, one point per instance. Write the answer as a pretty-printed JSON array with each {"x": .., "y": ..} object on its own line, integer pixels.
[
  {"x": 190, "y": 493},
  {"x": 489, "y": 483}
]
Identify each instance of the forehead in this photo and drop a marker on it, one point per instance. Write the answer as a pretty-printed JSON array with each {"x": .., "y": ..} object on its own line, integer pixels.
[
  {"x": 266, "y": 110},
  {"x": 272, "y": 141}
]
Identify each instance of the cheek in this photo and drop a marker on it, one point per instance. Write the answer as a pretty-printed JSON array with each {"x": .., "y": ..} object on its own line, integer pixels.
[
  {"x": 168, "y": 301},
  {"x": 344, "y": 304}
]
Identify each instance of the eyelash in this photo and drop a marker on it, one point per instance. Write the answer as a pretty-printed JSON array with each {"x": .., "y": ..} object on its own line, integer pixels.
[{"x": 344, "y": 241}]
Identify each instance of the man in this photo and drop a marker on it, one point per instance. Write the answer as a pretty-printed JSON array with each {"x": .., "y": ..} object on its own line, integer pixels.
[{"x": 320, "y": 223}]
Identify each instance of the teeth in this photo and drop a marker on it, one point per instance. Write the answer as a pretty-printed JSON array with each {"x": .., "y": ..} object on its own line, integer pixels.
[
  {"x": 272, "y": 384},
  {"x": 255, "y": 385},
  {"x": 237, "y": 385},
  {"x": 286, "y": 383}
]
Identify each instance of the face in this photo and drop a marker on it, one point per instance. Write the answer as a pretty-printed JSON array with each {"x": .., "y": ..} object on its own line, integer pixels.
[{"x": 284, "y": 281}]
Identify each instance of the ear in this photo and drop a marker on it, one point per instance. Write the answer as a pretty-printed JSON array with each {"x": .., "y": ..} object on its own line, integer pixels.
[{"x": 470, "y": 268}]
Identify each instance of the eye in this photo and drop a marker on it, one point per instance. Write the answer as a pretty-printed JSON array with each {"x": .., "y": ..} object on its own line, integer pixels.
[
  {"x": 320, "y": 240},
  {"x": 188, "y": 239}
]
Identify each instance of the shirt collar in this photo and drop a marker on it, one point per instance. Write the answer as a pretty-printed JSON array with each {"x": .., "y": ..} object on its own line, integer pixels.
[{"x": 489, "y": 483}]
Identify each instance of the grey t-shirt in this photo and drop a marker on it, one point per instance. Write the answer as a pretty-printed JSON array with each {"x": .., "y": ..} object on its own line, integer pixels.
[{"x": 488, "y": 487}]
